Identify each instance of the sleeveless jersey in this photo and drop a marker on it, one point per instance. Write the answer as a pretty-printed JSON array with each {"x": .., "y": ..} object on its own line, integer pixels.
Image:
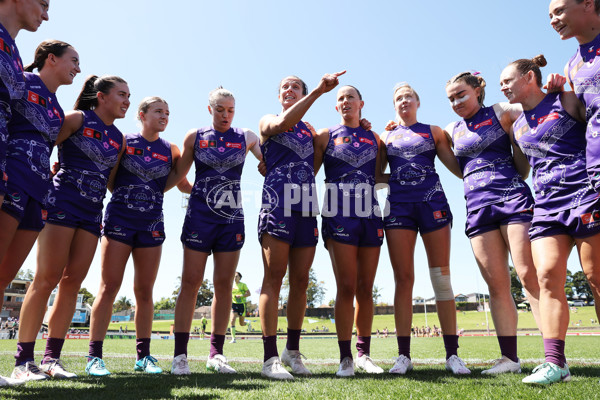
[
  {"x": 349, "y": 162},
  {"x": 219, "y": 160},
  {"x": 554, "y": 144},
  {"x": 584, "y": 72},
  {"x": 137, "y": 198},
  {"x": 483, "y": 151},
  {"x": 86, "y": 159},
  {"x": 290, "y": 179},
  {"x": 36, "y": 121},
  {"x": 12, "y": 87},
  {"x": 411, "y": 154}
]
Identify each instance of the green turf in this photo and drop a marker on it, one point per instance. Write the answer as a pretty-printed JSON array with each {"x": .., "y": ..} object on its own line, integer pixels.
[
  {"x": 470, "y": 320},
  {"x": 428, "y": 380}
]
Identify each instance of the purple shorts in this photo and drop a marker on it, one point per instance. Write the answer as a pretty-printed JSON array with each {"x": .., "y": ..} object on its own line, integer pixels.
[
  {"x": 489, "y": 218},
  {"x": 296, "y": 230},
  {"x": 360, "y": 232},
  {"x": 579, "y": 222},
  {"x": 423, "y": 216},
  {"x": 24, "y": 209},
  {"x": 60, "y": 217},
  {"x": 210, "y": 237},
  {"x": 134, "y": 237}
]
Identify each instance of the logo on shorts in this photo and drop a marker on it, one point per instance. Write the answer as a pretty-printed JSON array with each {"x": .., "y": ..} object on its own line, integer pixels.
[
  {"x": 392, "y": 219},
  {"x": 194, "y": 235},
  {"x": 281, "y": 224},
  {"x": 316, "y": 232},
  {"x": 117, "y": 228},
  {"x": 590, "y": 217},
  {"x": 15, "y": 197},
  {"x": 60, "y": 215},
  {"x": 239, "y": 237},
  {"x": 44, "y": 215},
  {"x": 440, "y": 214},
  {"x": 157, "y": 234},
  {"x": 339, "y": 228},
  {"x": 379, "y": 232}
]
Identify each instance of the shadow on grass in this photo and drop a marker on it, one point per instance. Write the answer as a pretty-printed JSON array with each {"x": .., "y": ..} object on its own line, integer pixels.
[{"x": 136, "y": 386}]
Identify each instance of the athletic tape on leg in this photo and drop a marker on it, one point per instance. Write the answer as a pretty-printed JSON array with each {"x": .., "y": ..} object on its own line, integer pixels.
[{"x": 442, "y": 286}]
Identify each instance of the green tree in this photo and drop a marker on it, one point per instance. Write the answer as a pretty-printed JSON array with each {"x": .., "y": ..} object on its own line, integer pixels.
[
  {"x": 88, "y": 298},
  {"x": 205, "y": 294},
  {"x": 376, "y": 294},
  {"x": 165, "y": 303},
  {"x": 25, "y": 274},
  {"x": 581, "y": 285},
  {"x": 516, "y": 288},
  {"x": 123, "y": 304},
  {"x": 315, "y": 292},
  {"x": 569, "y": 289},
  {"x": 332, "y": 303}
]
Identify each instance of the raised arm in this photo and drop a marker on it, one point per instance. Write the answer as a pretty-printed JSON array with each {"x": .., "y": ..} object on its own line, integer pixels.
[
  {"x": 271, "y": 125},
  {"x": 443, "y": 148},
  {"x": 252, "y": 144},
  {"x": 507, "y": 114}
]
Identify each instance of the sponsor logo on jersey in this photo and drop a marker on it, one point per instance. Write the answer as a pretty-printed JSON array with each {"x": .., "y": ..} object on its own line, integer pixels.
[
  {"x": 365, "y": 140},
  {"x": 205, "y": 144},
  {"x": 160, "y": 157},
  {"x": 233, "y": 145},
  {"x": 35, "y": 98},
  {"x": 588, "y": 218},
  {"x": 92, "y": 133},
  {"x": 440, "y": 214},
  {"x": 549, "y": 117},
  {"x": 423, "y": 134},
  {"x": 135, "y": 151},
  {"x": 114, "y": 144},
  {"x": 484, "y": 123}
]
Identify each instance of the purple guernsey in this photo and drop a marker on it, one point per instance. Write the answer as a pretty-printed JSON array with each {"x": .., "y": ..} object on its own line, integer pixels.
[
  {"x": 584, "y": 72},
  {"x": 484, "y": 154},
  {"x": 86, "y": 159},
  {"x": 554, "y": 144},
  {"x": 140, "y": 181},
  {"x": 36, "y": 121}
]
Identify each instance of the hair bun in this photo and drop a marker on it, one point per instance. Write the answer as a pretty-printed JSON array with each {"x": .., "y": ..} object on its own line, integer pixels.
[{"x": 539, "y": 60}]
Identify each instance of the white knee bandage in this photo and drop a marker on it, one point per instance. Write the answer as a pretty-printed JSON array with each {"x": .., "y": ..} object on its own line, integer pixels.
[{"x": 440, "y": 280}]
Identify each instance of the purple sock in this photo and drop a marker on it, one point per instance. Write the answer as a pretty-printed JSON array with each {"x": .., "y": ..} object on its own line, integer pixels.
[
  {"x": 363, "y": 345},
  {"x": 270, "y": 347},
  {"x": 53, "y": 348},
  {"x": 345, "y": 349},
  {"x": 142, "y": 347},
  {"x": 403, "y": 346},
  {"x": 451, "y": 345},
  {"x": 508, "y": 347},
  {"x": 181, "y": 342},
  {"x": 216, "y": 344},
  {"x": 24, "y": 352},
  {"x": 293, "y": 339},
  {"x": 555, "y": 351},
  {"x": 95, "y": 349}
]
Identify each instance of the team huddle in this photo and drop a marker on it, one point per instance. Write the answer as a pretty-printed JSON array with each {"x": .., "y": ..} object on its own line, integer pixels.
[{"x": 553, "y": 133}]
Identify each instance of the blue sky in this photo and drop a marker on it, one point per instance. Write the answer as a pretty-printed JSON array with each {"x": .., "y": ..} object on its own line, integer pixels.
[{"x": 181, "y": 50}]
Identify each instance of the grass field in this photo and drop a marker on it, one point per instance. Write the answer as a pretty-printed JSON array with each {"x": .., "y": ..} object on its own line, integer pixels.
[
  {"x": 470, "y": 320},
  {"x": 429, "y": 380}
]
